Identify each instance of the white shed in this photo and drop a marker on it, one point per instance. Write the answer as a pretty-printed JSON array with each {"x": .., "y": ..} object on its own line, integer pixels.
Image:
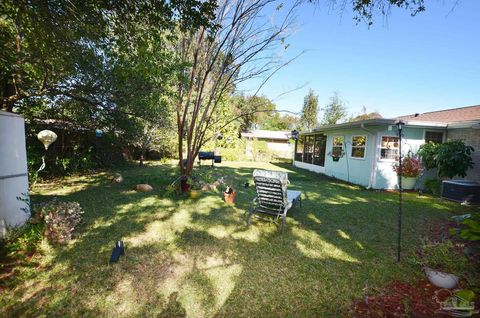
[{"x": 13, "y": 172}]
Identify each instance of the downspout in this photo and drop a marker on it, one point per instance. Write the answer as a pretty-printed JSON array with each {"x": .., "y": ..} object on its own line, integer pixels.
[{"x": 373, "y": 169}]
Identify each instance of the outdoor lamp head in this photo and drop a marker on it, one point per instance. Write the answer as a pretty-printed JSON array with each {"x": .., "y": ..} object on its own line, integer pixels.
[
  {"x": 47, "y": 137},
  {"x": 400, "y": 124},
  {"x": 295, "y": 134}
]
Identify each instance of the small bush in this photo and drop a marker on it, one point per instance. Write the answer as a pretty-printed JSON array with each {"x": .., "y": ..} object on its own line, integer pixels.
[
  {"x": 444, "y": 257},
  {"x": 61, "y": 218},
  {"x": 23, "y": 238},
  {"x": 433, "y": 186},
  {"x": 233, "y": 154}
]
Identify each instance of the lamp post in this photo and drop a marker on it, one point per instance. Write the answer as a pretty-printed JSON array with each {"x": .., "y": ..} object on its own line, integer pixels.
[{"x": 400, "y": 124}]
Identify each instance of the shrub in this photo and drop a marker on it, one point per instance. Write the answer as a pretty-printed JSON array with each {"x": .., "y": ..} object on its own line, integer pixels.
[
  {"x": 433, "y": 186},
  {"x": 61, "y": 218},
  {"x": 23, "y": 238},
  {"x": 410, "y": 167},
  {"x": 233, "y": 154},
  {"x": 452, "y": 158},
  {"x": 470, "y": 229},
  {"x": 428, "y": 152},
  {"x": 443, "y": 257}
]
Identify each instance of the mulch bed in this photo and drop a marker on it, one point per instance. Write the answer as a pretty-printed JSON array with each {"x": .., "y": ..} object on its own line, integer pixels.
[
  {"x": 403, "y": 300},
  {"x": 419, "y": 299}
]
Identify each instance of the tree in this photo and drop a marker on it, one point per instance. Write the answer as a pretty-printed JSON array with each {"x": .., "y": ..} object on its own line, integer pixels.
[
  {"x": 364, "y": 115},
  {"x": 365, "y": 10},
  {"x": 334, "y": 111},
  {"x": 242, "y": 46},
  {"x": 309, "y": 117}
]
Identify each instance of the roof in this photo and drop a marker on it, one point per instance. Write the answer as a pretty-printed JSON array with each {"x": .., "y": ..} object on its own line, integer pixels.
[
  {"x": 463, "y": 117},
  {"x": 455, "y": 115},
  {"x": 267, "y": 134}
]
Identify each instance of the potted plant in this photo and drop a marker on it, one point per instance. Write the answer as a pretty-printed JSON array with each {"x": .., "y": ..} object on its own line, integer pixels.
[
  {"x": 408, "y": 172},
  {"x": 229, "y": 195},
  {"x": 442, "y": 264}
]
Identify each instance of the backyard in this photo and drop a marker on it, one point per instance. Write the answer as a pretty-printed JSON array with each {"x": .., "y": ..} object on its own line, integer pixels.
[{"x": 198, "y": 258}]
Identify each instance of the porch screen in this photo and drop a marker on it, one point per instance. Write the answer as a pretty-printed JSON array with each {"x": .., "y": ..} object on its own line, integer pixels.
[
  {"x": 308, "y": 153},
  {"x": 299, "y": 148},
  {"x": 320, "y": 144}
]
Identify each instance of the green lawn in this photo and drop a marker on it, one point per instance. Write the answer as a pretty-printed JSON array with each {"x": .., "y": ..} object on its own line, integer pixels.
[{"x": 197, "y": 257}]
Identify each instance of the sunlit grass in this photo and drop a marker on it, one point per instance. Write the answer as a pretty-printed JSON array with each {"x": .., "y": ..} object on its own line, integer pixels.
[{"x": 197, "y": 258}]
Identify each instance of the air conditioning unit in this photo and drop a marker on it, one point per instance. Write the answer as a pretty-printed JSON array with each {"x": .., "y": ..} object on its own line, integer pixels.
[{"x": 464, "y": 191}]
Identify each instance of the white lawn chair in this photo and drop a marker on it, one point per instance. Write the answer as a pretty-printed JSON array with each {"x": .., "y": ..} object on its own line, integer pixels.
[{"x": 273, "y": 198}]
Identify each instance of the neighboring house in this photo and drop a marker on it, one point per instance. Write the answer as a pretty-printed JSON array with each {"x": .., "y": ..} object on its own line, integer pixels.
[
  {"x": 368, "y": 148},
  {"x": 278, "y": 142}
]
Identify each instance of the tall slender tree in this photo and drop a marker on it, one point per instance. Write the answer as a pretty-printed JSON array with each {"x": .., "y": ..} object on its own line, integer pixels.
[
  {"x": 334, "y": 111},
  {"x": 309, "y": 118},
  {"x": 244, "y": 45}
]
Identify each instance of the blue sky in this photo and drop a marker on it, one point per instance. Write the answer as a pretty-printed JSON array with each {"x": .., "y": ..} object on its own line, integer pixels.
[{"x": 399, "y": 66}]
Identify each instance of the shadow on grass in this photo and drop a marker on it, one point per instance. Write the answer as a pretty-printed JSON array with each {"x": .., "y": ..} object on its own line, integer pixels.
[{"x": 198, "y": 258}]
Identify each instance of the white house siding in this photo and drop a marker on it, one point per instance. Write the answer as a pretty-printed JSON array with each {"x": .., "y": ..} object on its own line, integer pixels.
[
  {"x": 471, "y": 138},
  {"x": 13, "y": 170},
  {"x": 309, "y": 166},
  {"x": 350, "y": 169}
]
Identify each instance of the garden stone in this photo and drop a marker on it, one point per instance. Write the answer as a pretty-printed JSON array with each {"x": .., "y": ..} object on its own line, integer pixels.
[
  {"x": 143, "y": 187},
  {"x": 117, "y": 178}
]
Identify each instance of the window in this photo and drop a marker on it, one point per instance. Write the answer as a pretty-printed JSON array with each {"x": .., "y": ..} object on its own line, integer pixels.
[
  {"x": 434, "y": 136},
  {"x": 308, "y": 153},
  {"x": 337, "y": 147},
  {"x": 358, "y": 147},
  {"x": 299, "y": 148},
  {"x": 389, "y": 148},
  {"x": 319, "y": 150}
]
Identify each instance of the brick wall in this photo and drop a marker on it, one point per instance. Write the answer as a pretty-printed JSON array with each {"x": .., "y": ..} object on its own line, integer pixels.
[{"x": 471, "y": 138}]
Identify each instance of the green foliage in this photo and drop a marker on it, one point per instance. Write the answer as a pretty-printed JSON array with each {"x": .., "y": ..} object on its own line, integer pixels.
[
  {"x": 334, "y": 111},
  {"x": 442, "y": 256},
  {"x": 433, "y": 186},
  {"x": 23, "y": 238},
  {"x": 365, "y": 116},
  {"x": 234, "y": 154},
  {"x": 470, "y": 230},
  {"x": 61, "y": 219},
  {"x": 428, "y": 153},
  {"x": 452, "y": 158},
  {"x": 309, "y": 118}
]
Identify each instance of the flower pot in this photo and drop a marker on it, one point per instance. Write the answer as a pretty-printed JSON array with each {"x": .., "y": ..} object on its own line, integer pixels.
[
  {"x": 230, "y": 197},
  {"x": 441, "y": 279},
  {"x": 408, "y": 182},
  {"x": 194, "y": 194}
]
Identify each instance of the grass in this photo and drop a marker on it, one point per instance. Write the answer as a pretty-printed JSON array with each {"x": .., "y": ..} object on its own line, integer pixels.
[{"x": 197, "y": 257}]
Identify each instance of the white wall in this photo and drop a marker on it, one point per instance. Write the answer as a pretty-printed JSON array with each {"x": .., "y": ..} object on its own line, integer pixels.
[
  {"x": 309, "y": 166},
  {"x": 13, "y": 170}
]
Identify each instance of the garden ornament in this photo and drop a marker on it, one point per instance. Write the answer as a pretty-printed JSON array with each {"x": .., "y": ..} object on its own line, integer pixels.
[{"x": 46, "y": 137}]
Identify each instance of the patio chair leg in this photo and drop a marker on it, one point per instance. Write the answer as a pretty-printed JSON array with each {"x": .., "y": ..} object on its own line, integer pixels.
[
  {"x": 284, "y": 220},
  {"x": 249, "y": 218}
]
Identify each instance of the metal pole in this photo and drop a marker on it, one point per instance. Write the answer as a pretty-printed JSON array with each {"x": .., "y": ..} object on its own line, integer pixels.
[{"x": 400, "y": 190}]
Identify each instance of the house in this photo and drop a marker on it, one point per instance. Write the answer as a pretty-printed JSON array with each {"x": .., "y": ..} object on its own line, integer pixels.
[
  {"x": 278, "y": 142},
  {"x": 363, "y": 152}
]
